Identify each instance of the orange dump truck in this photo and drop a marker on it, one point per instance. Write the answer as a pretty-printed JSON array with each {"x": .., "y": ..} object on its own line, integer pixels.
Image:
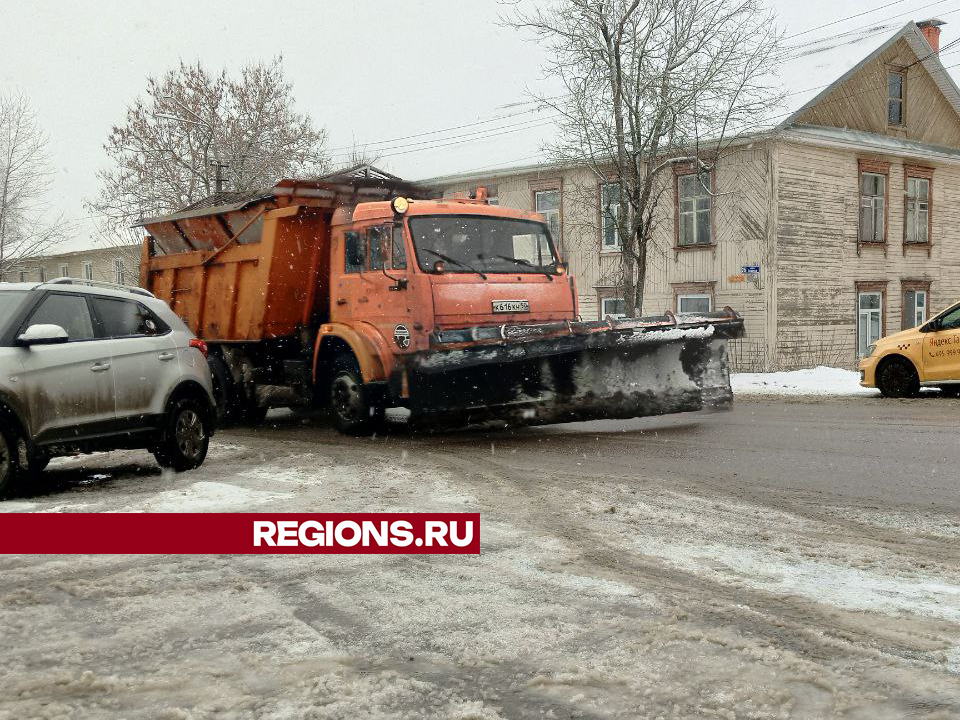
[{"x": 361, "y": 294}]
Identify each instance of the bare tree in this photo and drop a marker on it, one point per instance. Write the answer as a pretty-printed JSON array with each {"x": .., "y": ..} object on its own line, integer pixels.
[
  {"x": 197, "y": 133},
  {"x": 25, "y": 178},
  {"x": 650, "y": 84}
]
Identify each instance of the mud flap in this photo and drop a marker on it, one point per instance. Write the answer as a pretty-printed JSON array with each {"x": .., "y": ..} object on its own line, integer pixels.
[{"x": 629, "y": 376}]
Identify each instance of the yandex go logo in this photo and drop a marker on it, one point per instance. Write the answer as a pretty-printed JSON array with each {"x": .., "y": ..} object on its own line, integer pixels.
[
  {"x": 240, "y": 533},
  {"x": 363, "y": 533}
]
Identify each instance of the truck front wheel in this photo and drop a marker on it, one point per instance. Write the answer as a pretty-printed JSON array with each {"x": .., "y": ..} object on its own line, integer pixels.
[{"x": 353, "y": 412}]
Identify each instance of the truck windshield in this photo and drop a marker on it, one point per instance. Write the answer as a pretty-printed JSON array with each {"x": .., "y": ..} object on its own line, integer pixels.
[{"x": 481, "y": 244}]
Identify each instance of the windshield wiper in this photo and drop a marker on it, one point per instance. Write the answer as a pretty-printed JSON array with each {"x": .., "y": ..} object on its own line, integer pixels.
[
  {"x": 526, "y": 263},
  {"x": 454, "y": 261}
]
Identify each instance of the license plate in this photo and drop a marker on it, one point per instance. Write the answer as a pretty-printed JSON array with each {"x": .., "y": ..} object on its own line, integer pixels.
[{"x": 511, "y": 306}]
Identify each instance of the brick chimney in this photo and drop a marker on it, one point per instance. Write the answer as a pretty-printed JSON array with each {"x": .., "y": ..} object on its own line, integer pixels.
[{"x": 931, "y": 31}]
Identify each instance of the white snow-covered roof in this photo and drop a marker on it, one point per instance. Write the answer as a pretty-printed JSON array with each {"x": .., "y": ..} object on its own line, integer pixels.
[
  {"x": 862, "y": 140},
  {"x": 930, "y": 60}
]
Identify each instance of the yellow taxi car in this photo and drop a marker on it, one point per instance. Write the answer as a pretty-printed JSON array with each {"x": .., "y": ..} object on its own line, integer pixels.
[{"x": 928, "y": 355}]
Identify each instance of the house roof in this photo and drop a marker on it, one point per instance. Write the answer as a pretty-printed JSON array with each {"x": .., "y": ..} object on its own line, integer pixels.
[{"x": 926, "y": 56}]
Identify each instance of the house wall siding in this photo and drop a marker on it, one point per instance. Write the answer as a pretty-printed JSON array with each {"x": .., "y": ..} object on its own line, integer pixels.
[
  {"x": 861, "y": 102},
  {"x": 818, "y": 265}
]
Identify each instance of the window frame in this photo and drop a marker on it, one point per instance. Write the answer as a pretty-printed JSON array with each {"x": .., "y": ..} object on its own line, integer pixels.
[
  {"x": 869, "y": 287},
  {"x": 100, "y": 327},
  {"x": 902, "y": 100},
  {"x": 86, "y": 270},
  {"x": 94, "y": 323},
  {"x": 603, "y": 218},
  {"x": 916, "y": 172},
  {"x": 694, "y": 289},
  {"x": 612, "y": 298},
  {"x": 119, "y": 271},
  {"x": 681, "y": 172},
  {"x": 694, "y": 296},
  {"x": 360, "y": 236},
  {"x": 64, "y": 269},
  {"x": 882, "y": 169},
  {"x": 914, "y": 286},
  {"x": 558, "y": 210}
]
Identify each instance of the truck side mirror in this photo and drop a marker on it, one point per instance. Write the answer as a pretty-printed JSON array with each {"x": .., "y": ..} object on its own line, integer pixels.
[{"x": 41, "y": 334}]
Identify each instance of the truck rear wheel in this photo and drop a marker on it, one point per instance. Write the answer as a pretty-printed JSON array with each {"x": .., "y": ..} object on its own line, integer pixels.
[{"x": 353, "y": 412}]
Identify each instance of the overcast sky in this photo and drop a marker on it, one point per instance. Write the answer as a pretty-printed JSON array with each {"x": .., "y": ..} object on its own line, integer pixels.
[{"x": 368, "y": 71}]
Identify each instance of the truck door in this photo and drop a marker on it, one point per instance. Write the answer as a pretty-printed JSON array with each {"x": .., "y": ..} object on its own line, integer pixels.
[
  {"x": 374, "y": 286},
  {"x": 941, "y": 349}
]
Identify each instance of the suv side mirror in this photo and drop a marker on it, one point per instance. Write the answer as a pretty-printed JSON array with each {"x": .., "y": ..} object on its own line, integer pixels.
[{"x": 43, "y": 335}]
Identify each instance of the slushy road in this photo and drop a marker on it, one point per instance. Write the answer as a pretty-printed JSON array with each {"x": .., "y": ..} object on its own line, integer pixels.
[{"x": 788, "y": 559}]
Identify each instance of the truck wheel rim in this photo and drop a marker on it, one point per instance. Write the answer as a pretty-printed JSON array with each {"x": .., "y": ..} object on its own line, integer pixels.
[
  {"x": 5, "y": 458},
  {"x": 346, "y": 397},
  {"x": 189, "y": 434}
]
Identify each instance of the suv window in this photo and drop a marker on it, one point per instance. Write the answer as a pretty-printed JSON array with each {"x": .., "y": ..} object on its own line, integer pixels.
[
  {"x": 126, "y": 318},
  {"x": 68, "y": 311}
]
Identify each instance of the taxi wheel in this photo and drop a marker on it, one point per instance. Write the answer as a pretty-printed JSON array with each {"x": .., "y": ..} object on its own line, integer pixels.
[{"x": 897, "y": 378}]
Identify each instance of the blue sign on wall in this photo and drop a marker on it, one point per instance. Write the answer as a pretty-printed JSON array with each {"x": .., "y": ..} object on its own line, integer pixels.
[{"x": 747, "y": 269}]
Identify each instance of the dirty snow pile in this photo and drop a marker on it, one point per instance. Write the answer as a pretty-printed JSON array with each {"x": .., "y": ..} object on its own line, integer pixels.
[{"x": 811, "y": 381}]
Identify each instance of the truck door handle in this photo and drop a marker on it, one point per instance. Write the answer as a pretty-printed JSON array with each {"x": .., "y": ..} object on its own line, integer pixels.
[
  {"x": 100, "y": 367},
  {"x": 341, "y": 301},
  {"x": 166, "y": 356}
]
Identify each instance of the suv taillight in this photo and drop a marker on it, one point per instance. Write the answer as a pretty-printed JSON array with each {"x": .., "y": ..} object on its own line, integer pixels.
[{"x": 199, "y": 345}]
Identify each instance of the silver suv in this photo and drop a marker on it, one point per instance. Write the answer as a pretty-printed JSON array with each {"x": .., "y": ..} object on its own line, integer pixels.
[{"x": 90, "y": 366}]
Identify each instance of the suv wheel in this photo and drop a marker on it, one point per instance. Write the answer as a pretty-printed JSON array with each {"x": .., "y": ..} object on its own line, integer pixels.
[
  {"x": 9, "y": 465},
  {"x": 186, "y": 436},
  {"x": 352, "y": 413},
  {"x": 897, "y": 378}
]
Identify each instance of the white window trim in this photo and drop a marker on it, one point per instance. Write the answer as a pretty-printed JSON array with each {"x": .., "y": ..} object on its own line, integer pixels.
[
  {"x": 548, "y": 213},
  {"x": 119, "y": 271},
  {"x": 87, "y": 270},
  {"x": 603, "y": 308},
  {"x": 864, "y": 315},
  {"x": 64, "y": 270},
  {"x": 694, "y": 296},
  {"x": 613, "y": 247}
]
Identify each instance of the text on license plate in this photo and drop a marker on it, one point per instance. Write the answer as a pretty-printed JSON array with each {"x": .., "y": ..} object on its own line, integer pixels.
[{"x": 511, "y": 306}]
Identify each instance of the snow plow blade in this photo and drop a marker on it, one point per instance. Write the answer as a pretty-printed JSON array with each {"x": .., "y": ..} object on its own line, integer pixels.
[{"x": 518, "y": 375}]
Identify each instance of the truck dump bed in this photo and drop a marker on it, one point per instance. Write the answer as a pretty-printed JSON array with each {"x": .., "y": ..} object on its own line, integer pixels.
[{"x": 250, "y": 267}]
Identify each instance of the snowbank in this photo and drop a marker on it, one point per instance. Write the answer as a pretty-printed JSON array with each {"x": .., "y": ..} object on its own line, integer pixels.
[{"x": 811, "y": 381}]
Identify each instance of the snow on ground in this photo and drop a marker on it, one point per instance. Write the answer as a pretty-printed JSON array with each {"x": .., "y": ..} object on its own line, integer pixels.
[
  {"x": 595, "y": 597},
  {"x": 811, "y": 381}
]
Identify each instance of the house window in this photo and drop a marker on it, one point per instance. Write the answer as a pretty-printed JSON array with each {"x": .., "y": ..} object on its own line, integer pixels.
[
  {"x": 23, "y": 274},
  {"x": 118, "y": 273},
  {"x": 869, "y": 320},
  {"x": 548, "y": 204},
  {"x": 43, "y": 274},
  {"x": 895, "y": 83},
  {"x": 918, "y": 210},
  {"x": 872, "y": 215},
  {"x": 698, "y": 304},
  {"x": 613, "y": 307},
  {"x": 694, "y": 205},
  {"x": 87, "y": 270},
  {"x": 610, "y": 216},
  {"x": 64, "y": 270},
  {"x": 915, "y": 305}
]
